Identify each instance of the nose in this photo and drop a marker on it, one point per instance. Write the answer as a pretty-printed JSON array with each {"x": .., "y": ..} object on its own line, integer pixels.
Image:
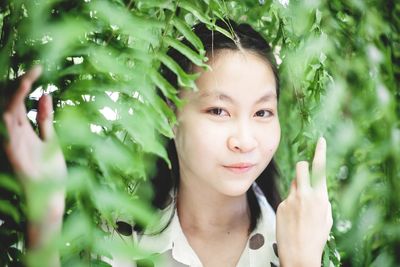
[{"x": 243, "y": 139}]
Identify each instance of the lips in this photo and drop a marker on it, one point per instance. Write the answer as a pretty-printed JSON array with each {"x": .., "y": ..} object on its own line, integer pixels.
[{"x": 239, "y": 167}]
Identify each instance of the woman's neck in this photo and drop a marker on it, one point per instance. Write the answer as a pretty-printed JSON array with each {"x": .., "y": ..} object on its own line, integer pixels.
[{"x": 203, "y": 210}]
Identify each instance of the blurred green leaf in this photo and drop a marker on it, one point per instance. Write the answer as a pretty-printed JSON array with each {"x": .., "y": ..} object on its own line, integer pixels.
[{"x": 10, "y": 210}]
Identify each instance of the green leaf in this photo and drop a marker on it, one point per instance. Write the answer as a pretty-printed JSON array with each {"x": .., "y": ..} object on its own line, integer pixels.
[
  {"x": 159, "y": 4},
  {"x": 74, "y": 127},
  {"x": 107, "y": 200},
  {"x": 187, "y": 52},
  {"x": 9, "y": 183},
  {"x": 112, "y": 153},
  {"x": 181, "y": 26},
  {"x": 166, "y": 88},
  {"x": 10, "y": 210},
  {"x": 189, "y": 6},
  {"x": 99, "y": 263},
  {"x": 142, "y": 29},
  {"x": 167, "y": 117},
  {"x": 184, "y": 79},
  {"x": 325, "y": 259},
  {"x": 65, "y": 35},
  {"x": 142, "y": 130}
]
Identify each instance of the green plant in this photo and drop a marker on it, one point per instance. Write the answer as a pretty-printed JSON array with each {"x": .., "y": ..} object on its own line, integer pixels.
[{"x": 340, "y": 78}]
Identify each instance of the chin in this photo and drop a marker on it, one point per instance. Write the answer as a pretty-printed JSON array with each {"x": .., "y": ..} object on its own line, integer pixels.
[{"x": 236, "y": 188}]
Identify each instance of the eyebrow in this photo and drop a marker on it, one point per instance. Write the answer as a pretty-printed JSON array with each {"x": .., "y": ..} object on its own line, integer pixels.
[{"x": 226, "y": 98}]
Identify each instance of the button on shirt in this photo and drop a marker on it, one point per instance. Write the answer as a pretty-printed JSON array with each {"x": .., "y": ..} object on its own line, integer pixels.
[{"x": 174, "y": 249}]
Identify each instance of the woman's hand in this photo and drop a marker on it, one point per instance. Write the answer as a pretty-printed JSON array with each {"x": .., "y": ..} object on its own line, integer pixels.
[
  {"x": 304, "y": 219},
  {"x": 36, "y": 160},
  {"x": 32, "y": 157}
]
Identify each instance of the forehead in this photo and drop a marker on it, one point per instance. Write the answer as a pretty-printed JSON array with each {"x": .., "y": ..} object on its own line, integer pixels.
[{"x": 235, "y": 76}]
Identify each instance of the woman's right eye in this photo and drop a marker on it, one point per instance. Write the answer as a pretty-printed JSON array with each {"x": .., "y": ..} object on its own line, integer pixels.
[{"x": 217, "y": 112}]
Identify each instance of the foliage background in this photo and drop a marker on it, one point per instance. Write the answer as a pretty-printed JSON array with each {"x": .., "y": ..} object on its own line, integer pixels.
[{"x": 340, "y": 76}]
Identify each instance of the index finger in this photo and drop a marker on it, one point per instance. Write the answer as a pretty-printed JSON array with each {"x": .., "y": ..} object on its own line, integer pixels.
[
  {"x": 24, "y": 88},
  {"x": 319, "y": 166}
]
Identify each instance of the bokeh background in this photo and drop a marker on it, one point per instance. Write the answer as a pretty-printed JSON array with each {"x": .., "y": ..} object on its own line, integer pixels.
[{"x": 339, "y": 63}]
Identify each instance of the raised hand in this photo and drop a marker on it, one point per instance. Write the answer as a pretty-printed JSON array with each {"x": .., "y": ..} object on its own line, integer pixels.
[
  {"x": 32, "y": 157},
  {"x": 304, "y": 219},
  {"x": 37, "y": 160}
]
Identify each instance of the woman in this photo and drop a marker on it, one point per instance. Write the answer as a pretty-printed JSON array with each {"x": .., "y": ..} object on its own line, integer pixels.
[{"x": 227, "y": 134}]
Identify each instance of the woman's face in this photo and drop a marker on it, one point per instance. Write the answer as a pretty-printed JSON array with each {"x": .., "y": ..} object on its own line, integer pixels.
[{"x": 229, "y": 130}]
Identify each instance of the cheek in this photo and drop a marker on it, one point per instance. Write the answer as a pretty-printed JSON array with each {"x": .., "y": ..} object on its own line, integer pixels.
[
  {"x": 270, "y": 141},
  {"x": 199, "y": 140}
]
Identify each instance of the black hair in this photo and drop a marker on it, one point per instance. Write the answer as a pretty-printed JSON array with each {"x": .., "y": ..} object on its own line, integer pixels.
[{"x": 246, "y": 38}]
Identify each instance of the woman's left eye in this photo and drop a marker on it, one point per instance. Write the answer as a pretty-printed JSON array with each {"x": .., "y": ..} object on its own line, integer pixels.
[{"x": 264, "y": 113}]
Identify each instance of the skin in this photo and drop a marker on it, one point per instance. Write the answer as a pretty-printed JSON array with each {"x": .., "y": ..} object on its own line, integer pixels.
[
  {"x": 212, "y": 205},
  {"x": 223, "y": 124},
  {"x": 304, "y": 218}
]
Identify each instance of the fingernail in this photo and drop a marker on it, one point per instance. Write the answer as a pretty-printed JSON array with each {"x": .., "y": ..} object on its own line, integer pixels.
[{"x": 35, "y": 71}]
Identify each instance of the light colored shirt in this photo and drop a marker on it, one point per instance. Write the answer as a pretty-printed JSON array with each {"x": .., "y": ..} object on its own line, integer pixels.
[{"x": 174, "y": 250}]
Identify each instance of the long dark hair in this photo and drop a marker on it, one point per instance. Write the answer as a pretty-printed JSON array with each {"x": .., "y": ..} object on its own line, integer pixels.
[{"x": 245, "y": 37}]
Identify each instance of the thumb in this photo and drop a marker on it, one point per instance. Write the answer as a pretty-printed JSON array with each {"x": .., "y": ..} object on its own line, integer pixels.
[{"x": 45, "y": 117}]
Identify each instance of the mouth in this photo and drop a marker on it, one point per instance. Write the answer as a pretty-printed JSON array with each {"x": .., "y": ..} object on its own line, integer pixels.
[{"x": 239, "y": 167}]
